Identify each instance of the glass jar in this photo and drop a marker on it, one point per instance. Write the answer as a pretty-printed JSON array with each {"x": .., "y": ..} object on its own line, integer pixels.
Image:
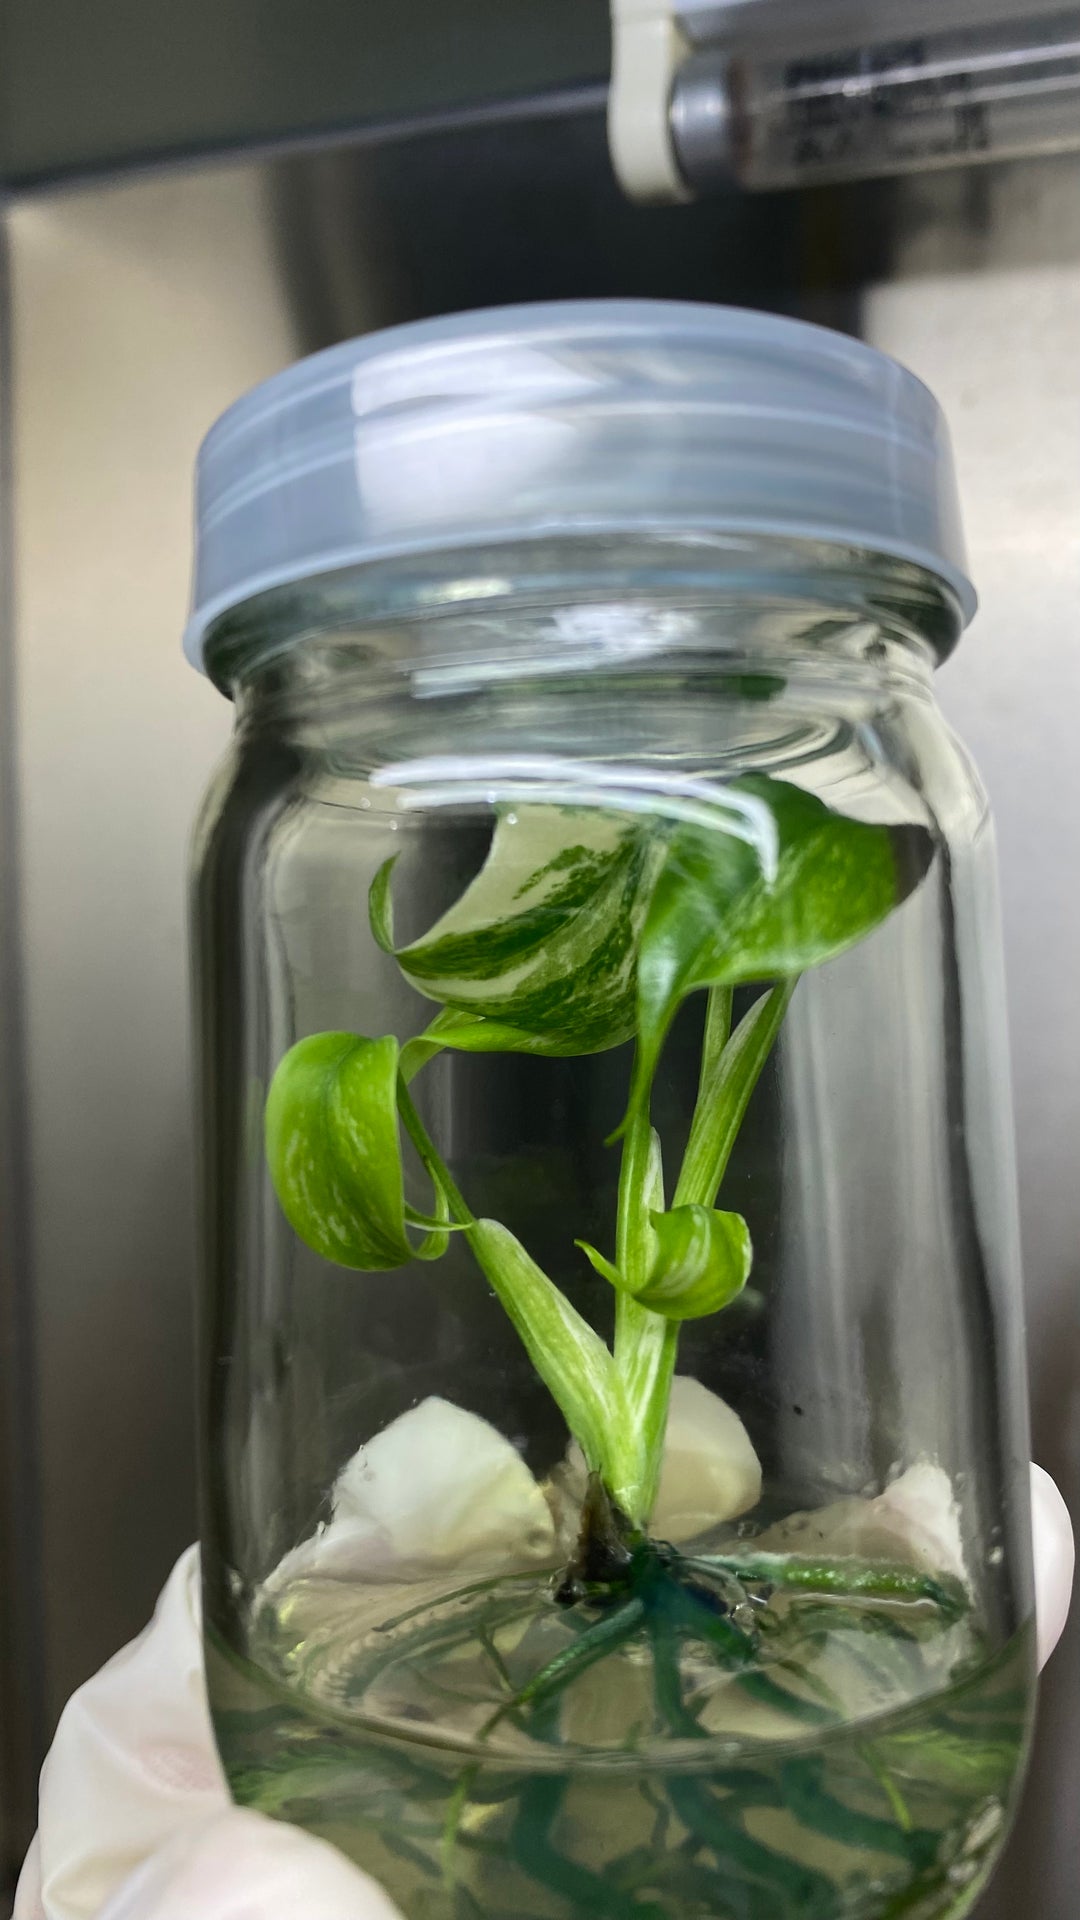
[{"x": 615, "y": 1438}]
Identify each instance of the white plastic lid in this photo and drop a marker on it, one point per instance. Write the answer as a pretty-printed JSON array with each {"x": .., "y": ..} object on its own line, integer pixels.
[{"x": 579, "y": 417}]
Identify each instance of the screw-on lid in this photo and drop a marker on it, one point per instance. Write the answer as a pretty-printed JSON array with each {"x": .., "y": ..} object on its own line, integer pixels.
[{"x": 583, "y": 416}]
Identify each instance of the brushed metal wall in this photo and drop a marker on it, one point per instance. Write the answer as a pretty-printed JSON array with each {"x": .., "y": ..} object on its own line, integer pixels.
[
  {"x": 137, "y": 311},
  {"x": 983, "y": 301}
]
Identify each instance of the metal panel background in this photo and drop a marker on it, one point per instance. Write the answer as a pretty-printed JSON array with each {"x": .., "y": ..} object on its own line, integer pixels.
[
  {"x": 135, "y": 314},
  {"x": 138, "y": 311},
  {"x": 94, "y": 86},
  {"x": 983, "y": 300}
]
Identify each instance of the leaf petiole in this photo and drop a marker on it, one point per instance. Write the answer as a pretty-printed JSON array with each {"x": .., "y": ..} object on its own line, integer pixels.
[
  {"x": 730, "y": 1071},
  {"x": 646, "y": 1343},
  {"x": 437, "y": 1169},
  {"x": 569, "y": 1356}
]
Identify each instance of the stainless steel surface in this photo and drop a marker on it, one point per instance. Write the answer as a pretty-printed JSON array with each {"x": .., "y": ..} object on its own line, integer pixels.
[
  {"x": 20, "y": 1558},
  {"x": 139, "y": 310},
  {"x": 136, "y": 314},
  {"x": 983, "y": 300},
  {"x": 104, "y": 85}
]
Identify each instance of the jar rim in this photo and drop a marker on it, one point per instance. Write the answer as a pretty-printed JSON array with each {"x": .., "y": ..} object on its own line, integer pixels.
[{"x": 409, "y": 611}]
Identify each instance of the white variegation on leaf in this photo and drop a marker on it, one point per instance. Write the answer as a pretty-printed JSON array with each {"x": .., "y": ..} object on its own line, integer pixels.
[{"x": 545, "y": 938}]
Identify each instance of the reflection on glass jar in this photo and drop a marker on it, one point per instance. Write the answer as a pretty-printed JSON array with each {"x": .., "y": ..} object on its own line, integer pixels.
[{"x": 615, "y": 1446}]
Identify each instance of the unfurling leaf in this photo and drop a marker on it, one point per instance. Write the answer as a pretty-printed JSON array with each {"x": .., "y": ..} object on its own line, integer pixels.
[
  {"x": 718, "y": 917},
  {"x": 544, "y": 940},
  {"x": 603, "y": 1266},
  {"x": 702, "y": 1261},
  {"x": 334, "y": 1153}
]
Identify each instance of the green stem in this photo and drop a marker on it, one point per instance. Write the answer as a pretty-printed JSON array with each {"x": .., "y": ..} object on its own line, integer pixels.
[
  {"x": 617, "y": 1406},
  {"x": 730, "y": 1070},
  {"x": 646, "y": 1346},
  {"x": 640, "y": 1175},
  {"x": 719, "y": 1002},
  {"x": 436, "y": 1167},
  {"x": 646, "y": 1343},
  {"x": 569, "y": 1356}
]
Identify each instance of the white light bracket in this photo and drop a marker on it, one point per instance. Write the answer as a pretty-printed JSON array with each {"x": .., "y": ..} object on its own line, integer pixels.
[
  {"x": 651, "y": 40},
  {"x": 647, "y": 49}
]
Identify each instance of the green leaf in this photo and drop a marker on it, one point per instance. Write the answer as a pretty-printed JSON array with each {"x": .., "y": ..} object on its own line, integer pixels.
[
  {"x": 467, "y": 1033},
  {"x": 334, "y": 1152},
  {"x": 569, "y": 1356},
  {"x": 544, "y": 940},
  {"x": 381, "y": 905},
  {"x": 719, "y": 916},
  {"x": 729, "y": 1074},
  {"x": 604, "y": 1267},
  {"x": 703, "y": 1259}
]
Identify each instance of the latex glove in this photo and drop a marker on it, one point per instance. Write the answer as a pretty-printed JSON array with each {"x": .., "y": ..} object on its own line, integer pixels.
[
  {"x": 1055, "y": 1562},
  {"x": 136, "y": 1822}
]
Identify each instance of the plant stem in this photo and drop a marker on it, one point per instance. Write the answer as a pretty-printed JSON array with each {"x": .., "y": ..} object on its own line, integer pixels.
[
  {"x": 730, "y": 1070},
  {"x": 617, "y": 1406},
  {"x": 437, "y": 1169},
  {"x": 569, "y": 1356},
  {"x": 641, "y": 1190},
  {"x": 646, "y": 1343},
  {"x": 718, "y": 1005}
]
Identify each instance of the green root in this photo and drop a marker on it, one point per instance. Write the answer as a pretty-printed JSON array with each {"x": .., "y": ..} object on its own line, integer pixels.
[
  {"x": 622, "y": 1587},
  {"x": 848, "y": 1578}
]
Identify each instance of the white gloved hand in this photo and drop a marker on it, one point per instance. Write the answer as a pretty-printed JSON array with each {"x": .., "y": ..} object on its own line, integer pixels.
[{"x": 136, "y": 1821}]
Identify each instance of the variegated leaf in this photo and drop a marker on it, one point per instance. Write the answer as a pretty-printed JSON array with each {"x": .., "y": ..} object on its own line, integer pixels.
[{"x": 544, "y": 941}]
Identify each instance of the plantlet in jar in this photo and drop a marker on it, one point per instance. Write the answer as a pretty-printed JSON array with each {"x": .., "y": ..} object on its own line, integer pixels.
[
  {"x": 583, "y": 931},
  {"x": 586, "y": 929}
]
